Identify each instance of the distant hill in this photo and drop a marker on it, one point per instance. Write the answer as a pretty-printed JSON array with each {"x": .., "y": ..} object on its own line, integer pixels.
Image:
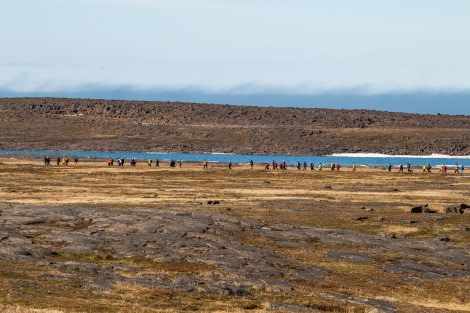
[{"x": 116, "y": 125}]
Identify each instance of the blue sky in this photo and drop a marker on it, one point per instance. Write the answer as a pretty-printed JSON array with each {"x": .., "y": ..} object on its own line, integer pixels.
[{"x": 388, "y": 55}]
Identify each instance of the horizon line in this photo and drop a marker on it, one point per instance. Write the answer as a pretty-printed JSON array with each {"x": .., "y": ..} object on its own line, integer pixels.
[{"x": 418, "y": 101}]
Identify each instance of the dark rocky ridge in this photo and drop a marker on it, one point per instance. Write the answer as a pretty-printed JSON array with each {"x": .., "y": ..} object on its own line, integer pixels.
[{"x": 105, "y": 125}]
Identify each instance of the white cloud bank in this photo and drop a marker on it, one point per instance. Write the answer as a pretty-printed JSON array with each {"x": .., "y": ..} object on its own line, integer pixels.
[{"x": 236, "y": 47}]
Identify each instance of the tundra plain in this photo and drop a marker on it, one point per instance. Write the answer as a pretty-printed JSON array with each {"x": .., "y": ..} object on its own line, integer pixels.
[{"x": 98, "y": 238}]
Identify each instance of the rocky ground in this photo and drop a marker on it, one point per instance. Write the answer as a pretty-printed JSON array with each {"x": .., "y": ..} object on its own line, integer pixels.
[
  {"x": 115, "y": 125},
  {"x": 36, "y": 234}
]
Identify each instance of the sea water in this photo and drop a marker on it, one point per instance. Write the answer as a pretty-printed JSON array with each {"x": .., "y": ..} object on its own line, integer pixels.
[{"x": 360, "y": 159}]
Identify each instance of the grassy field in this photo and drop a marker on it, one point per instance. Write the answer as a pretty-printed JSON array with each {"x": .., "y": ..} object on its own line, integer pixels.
[{"x": 323, "y": 199}]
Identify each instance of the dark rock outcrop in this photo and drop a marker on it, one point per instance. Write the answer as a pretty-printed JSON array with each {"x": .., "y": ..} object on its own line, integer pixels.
[{"x": 423, "y": 208}]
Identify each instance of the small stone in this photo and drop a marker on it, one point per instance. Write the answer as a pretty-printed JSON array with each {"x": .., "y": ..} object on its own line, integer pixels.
[
  {"x": 361, "y": 218},
  {"x": 443, "y": 238}
]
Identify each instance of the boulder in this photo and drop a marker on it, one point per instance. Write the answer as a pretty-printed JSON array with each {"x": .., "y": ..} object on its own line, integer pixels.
[
  {"x": 443, "y": 238},
  {"x": 457, "y": 209},
  {"x": 360, "y": 218},
  {"x": 451, "y": 209},
  {"x": 420, "y": 208},
  {"x": 464, "y": 208}
]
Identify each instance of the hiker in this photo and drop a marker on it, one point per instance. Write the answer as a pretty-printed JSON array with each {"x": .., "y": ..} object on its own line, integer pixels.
[
  {"x": 157, "y": 163},
  {"x": 180, "y": 163},
  {"x": 251, "y": 164},
  {"x": 133, "y": 161},
  {"x": 47, "y": 160},
  {"x": 401, "y": 168},
  {"x": 305, "y": 165},
  {"x": 204, "y": 164},
  {"x": 332, "y": 166},
  {"x": 410, "y": 168},
  {"x": 266, "y": 166},
  {"x": 76, "y": 161},
  {"x": 110, "y": 161},
  {"x": 149, "y": 162},
  {"x": 462, "y": 169},
  {"x": 298, "y": 165},
  {"x": 274, "y": 165},
  {"x": 229, "y": 165},
  {"x": 389, "y": 167},
  {"x": 283, "y": 165},
  {"x": 428, "y": 167},
  {"x": 338, "y": 167},
  {"x": 172, "y": 163},
  {"x": 58, "y": 161},
  {"x": 320, "y": 166},
  {"x": 424, "y": 168},
  {"x": 457, "y": 168},
  {"x": 354, "y": 167},
  {"x": 312, "y": 166}
]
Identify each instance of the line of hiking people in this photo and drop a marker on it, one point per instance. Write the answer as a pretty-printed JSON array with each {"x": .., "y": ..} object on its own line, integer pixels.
[
  {"x": 64, "y": 161},
  {"x": 133, "y": 162},
  {"x": 426, "y": 168}
]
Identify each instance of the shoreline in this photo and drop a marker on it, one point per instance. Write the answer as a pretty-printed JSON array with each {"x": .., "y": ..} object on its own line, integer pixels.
[{"x": 83, "y": 153}]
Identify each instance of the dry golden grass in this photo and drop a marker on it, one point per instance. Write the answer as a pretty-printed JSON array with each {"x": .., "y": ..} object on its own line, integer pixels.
[
  {"x": 326, "y": 199},
  {"x": 11, "y": 309}
]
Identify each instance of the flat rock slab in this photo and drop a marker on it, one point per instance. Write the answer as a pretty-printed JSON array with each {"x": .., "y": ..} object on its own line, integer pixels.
[{"x": 32, "y": 234}]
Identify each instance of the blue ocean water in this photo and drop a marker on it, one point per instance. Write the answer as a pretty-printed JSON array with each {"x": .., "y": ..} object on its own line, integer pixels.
[{"x": 343, "y": 159}]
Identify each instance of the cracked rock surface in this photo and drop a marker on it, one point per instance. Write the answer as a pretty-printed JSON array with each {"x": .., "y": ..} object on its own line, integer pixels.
[{"x": 36, "y": 233}]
